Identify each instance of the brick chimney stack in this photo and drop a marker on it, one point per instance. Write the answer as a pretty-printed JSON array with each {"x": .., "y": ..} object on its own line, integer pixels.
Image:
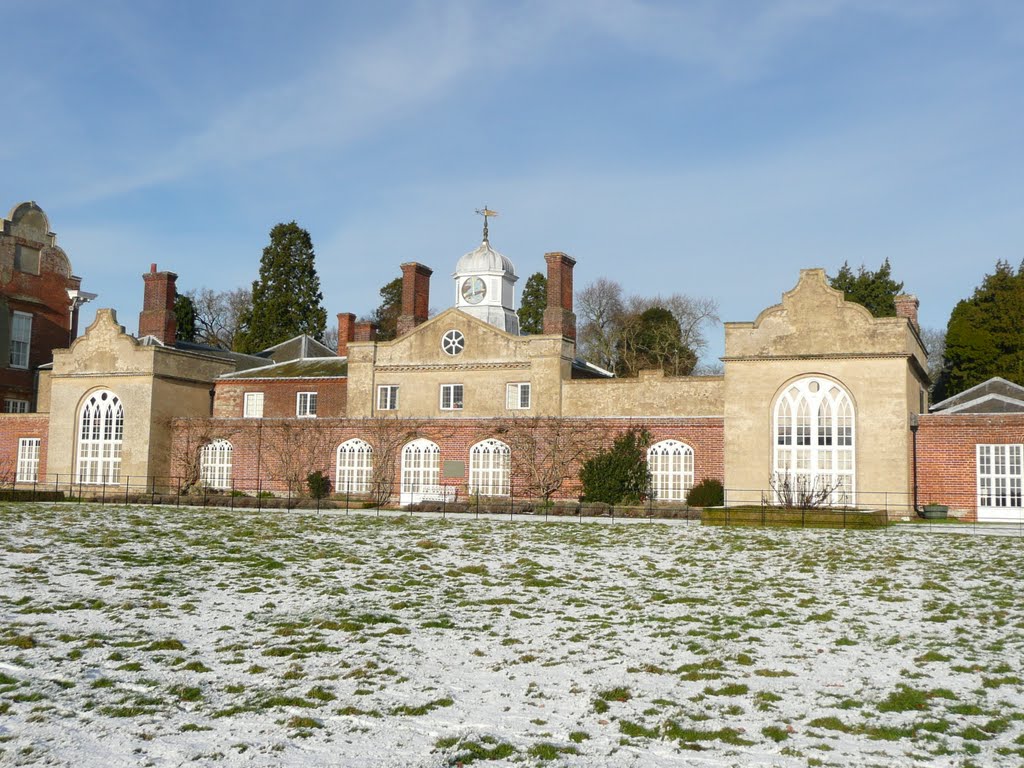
[
  {"x": 346, "y": 332},
  {"x": 415, "y": 296},
  {"x": 365, "y": 331},
  {"x": 157, "y": 317},
  {"x": 906, "y": 306},
  {"x": 558, "y": 317}
]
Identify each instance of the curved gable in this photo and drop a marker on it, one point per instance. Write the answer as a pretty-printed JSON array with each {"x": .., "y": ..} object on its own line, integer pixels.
[{"x": 814, "y": 319}]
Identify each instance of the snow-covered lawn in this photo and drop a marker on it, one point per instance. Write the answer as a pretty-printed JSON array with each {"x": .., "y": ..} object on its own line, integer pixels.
[{"x": 167, "y": 637}]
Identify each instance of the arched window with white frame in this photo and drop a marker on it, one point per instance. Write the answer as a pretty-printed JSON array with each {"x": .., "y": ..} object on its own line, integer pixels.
[
  {"x": 421, "y": 471},
  {"x": 100, "y": 433},
  {"x": 813, "y": 430},
  {"x": 670, "y": 463},
  {"x": 354, "y": 472},
  {"x": 490, "y": 468},
  {"x": 215, "y": 465}
]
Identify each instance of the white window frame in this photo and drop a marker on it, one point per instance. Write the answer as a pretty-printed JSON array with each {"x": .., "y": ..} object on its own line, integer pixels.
[
  {"x": 814, "y": 439},
  {"x": 12, "y": 405},
  {"x": 100, "y": 434},
  {"x": 215, "y": 465},
  {"x": 670, "y": 463},
  {"x": 387, "y": 397},
  {"x": 22, "y": 338},
  {"x": 421, "y": 471},
  {"x": 516, "y": 393},
  {"x": 28, "y": 459},
  {"x": 490, "y": 468},
  {"x": 454, "y": 403},
  {"x": 305, "y": 405},
  {"x": 253, "y": 406},
  {"x": 354, "y": 467},
  {"x": 1000, "y": 475}
]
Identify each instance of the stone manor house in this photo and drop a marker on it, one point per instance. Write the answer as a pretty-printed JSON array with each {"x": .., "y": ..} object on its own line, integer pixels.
[{"x": 815, "y": 390}]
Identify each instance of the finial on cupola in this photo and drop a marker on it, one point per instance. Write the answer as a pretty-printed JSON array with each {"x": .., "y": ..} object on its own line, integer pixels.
[{"x": 485, "y": 212}]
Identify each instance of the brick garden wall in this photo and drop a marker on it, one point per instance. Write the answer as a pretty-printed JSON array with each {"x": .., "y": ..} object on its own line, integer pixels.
[
  {"x": 947, "y": 471},
  {"x": 260, "y": 445}
]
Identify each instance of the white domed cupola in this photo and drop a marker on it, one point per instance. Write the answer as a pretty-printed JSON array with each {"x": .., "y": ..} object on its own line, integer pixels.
[{"x": 483, "y": 284}]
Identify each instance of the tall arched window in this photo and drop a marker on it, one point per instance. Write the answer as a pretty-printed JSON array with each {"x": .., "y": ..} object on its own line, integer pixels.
[
  {"x": 490, "y": 468},
  {"x": 814, "y": 434},
  {"x": 101, "y": 430},
  {"x": 354, "y": 467},
  {"x": 670, "y": 463},
  {"x": 421, "y": 470},
  {"x": 215, "y": 465}
]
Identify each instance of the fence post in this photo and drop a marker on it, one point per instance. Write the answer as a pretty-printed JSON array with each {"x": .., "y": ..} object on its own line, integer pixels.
[
  {"x": 177, "y": 498},
  {"x": 127, "y": 484},
  {"x": 232, "y": 493},
  {"x": 103, "y": 492},
  {"x": 205, "y": 491},
  {"x": 152, "y": 490}
]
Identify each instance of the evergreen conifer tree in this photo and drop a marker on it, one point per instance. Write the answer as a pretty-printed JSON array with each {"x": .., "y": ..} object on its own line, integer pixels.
[
  {"x": 286, "y": 299},
  {"x": 185, "y": 317},
  {"x": 386, "y": 314},
  {"x": 532, "y": 304},
  {"x": 985, "y": 335},
  {"x": 875, "y": 290}
]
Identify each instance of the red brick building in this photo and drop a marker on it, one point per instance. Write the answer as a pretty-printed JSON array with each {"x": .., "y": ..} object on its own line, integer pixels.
[{"x": 39, "y": 301}]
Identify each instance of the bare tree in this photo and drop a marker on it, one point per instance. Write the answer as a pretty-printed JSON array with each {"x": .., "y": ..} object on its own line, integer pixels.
[
  {"x": 386, "y": 435},
  {"x": 190, "y": 436},
  {"x": 300, "y": 447},
  {"x": 801, "y": 492},
  {"x": 692, "y": 313},
  {"x": 935, "y": 342},
  {"x": 219, "y": 315},
  {"x": 546, "y": 452},
  {"x": 600, "y": 310},
  {"x": 331, "y": 337},
  {"x": 608, "y": 326}
]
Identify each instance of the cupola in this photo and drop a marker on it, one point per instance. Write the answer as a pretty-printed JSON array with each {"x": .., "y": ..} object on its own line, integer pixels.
[{"x": 484, "y": 281}]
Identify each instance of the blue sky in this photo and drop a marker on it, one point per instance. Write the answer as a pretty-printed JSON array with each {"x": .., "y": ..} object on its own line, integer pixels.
[{"x": 711, "y": 148}]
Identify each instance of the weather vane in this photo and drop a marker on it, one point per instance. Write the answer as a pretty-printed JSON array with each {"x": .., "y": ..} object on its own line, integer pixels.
[{"x": 485, "y": 212}]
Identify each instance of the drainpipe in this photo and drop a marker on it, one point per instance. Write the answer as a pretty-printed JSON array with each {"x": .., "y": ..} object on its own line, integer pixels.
[{"x": 914, "y": 423}]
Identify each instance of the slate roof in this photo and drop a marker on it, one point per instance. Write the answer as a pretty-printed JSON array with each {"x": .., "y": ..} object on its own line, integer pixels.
[
  {"x": 241, "y": 360},
  {"x": 997, "y": 395}
]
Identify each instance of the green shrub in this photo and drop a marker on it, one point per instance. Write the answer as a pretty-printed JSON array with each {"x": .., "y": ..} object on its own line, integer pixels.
[
  {"x": 319, "y": 484},
  {"x": 619, "y": 474},
  {"x": 707, "y": 493}
]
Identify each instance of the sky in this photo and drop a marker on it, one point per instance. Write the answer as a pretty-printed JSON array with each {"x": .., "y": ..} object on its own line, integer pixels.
[{"x": 701, "y": 147}]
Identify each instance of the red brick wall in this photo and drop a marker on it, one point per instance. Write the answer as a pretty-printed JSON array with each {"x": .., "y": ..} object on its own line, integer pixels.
[
  {"x": 947, "y": 470},
  {"x": 257, "y": 444},
  {"x": 279, "y": 396},
  {"x": 12, "y": 428},
  {"x": 45, "y": 297}
]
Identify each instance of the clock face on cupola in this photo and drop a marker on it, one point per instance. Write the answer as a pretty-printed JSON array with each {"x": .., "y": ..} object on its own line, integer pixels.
[{"x": 484, "y": 281}]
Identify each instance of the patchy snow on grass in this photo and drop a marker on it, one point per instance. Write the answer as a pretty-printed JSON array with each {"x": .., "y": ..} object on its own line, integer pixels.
[{"x": 165, "y": 637}]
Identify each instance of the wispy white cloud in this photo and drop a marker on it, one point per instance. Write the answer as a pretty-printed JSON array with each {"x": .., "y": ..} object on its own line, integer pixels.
[{"x": 349, "y": 92}]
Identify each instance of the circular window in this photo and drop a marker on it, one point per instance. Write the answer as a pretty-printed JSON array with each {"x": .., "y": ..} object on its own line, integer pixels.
[{"x": 453, "y": 342}]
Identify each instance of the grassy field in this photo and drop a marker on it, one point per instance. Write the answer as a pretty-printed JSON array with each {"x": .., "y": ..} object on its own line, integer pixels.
[{"x": 165, "y": 637}]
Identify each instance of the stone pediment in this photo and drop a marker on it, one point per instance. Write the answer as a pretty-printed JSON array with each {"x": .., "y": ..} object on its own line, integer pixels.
[
  {"x": 455, "y": 339},
  {"x": 103, "y": 348},
  {"x": 814, "y": 319}
]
